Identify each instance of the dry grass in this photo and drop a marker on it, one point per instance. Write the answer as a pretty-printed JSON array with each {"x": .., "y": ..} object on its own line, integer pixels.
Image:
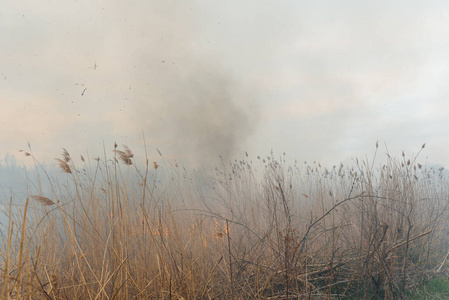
[{"x": 254, "y": 230}]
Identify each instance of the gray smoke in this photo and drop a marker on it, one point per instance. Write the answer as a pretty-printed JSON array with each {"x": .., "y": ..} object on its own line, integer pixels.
[
  {"x": 189, "y": 105},
  {"x": 206, "y": 121},
  {"x": 198, "y": 114}
]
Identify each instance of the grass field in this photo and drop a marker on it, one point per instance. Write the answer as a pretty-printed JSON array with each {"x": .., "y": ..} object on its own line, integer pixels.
[{"x": 255, "y": 229}]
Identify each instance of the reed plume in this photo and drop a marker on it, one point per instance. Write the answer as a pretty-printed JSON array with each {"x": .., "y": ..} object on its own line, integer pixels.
[
  {"x": 66, "y": 155},
  {"x": 64, "y": 166},
  {"x": 42, "y": 200},
  {"x": 125, "y": 155}
]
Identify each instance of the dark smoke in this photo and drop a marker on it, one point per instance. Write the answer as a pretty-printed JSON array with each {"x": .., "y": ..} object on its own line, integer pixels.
[
  {"x": 189, "y": 105},
  {"x": 209, "y": 122},
  {"x": 199, "y": 114}
]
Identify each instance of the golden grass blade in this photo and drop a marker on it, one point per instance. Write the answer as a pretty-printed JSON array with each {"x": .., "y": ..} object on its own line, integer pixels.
[{"x": 22, "y": 238}]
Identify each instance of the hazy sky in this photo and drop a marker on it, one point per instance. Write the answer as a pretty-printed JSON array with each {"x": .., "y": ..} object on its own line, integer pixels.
[{"x": 319, "y": 80}]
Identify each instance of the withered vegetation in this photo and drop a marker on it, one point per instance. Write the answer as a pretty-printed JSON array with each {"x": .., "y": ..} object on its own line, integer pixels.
[{"x": 253, "y": 230}]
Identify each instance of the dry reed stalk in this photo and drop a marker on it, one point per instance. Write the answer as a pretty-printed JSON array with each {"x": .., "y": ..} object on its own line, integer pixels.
[
  {"x": 22, "y": 237},
  {"x": 228, "y": 235},
  {"x": 210, "y": 277},
  {"x": 8, "y": 251}
]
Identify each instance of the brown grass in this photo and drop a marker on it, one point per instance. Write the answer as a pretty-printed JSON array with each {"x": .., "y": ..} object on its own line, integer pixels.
[{"x": 254, "y": 230}]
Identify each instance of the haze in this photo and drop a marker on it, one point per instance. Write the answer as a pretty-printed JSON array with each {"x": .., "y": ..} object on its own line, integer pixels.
[{"x": 321, "y": 81}]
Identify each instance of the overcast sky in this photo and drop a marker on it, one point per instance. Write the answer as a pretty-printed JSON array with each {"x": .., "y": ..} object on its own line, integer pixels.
[{"x": 320, "y": 80}]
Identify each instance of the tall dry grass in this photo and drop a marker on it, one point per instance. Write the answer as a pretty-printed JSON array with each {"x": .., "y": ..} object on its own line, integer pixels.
[{"x": 254, "y": 230}]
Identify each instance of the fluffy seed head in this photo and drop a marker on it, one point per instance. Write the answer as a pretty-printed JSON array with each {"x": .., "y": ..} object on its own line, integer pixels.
[
  {"x": 66, "y": 155},
  {"x": 63, "y": 165},
  {"x": 124, "y": 157},
  {"x": 42, "y": 200}
]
